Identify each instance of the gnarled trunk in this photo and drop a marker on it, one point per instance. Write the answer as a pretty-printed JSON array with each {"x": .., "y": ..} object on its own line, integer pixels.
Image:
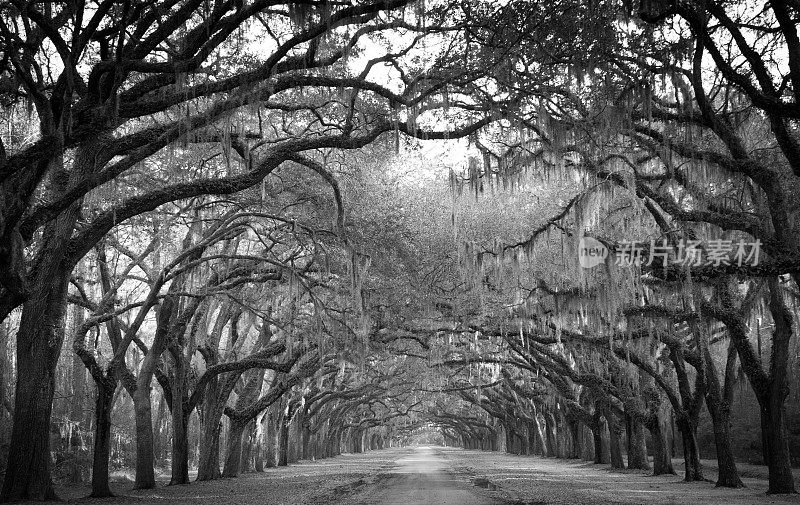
[
  {"x": 180, "y": 446},
  {"x": 728, "y": 473},
  {"x": 718, "y": 399},
  {"x": 41, "y": 335},
  {"x": 614, "y": 440},
  {"x": 637, "y": 450},
  {"x": 691, "y": 452},
  {"x": 208, "y": 464},
  {"x": 234, "y": 459},
  {"x": 772, "y": 401},
  {"x": 662, "y": 462},
  {"x": 776, "y": 443},
  {"x": 102, "y": 438},
  {"x": 39, "y": 342}
]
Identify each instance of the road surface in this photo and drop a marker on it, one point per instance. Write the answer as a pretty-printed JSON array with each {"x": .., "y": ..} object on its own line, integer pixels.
[
  {"x": 418, "y": 477},
  {"x": 444, "y": 476}
]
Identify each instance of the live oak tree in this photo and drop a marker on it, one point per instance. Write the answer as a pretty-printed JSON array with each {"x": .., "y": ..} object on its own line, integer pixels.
[
  {"x": 638, "y": 109},
  {"x": 113, "y": 84}
]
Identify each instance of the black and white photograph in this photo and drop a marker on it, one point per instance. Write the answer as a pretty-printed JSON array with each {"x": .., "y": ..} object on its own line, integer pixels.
[{"x": 400, "y": 252}]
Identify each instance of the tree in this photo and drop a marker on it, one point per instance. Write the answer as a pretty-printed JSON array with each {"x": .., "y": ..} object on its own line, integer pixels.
[{"x": 95, "y": 131}]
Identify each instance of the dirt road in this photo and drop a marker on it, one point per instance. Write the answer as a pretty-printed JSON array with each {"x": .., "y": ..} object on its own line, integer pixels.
[
  {"x": 440, "y": 476},
  {"x": 419, "y": 477}
]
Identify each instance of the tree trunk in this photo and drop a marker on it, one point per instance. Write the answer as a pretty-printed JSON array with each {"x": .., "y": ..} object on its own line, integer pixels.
[
  {"x": 248, "y": 439},
  {"x": 662, "y": 462},
  {"x": 552, "y": 446},
  {"x": 77, "y": 415},
  {"x": 5, "y": 413},
  {"x": 213, "y": 407},
  {"x": 259, "y": 445},
  {"x": 283, "y": 442},
  {"x": 637, "y": 450},
  {"x": 597, "y": 437},
  {"x": 575, "y": 433},
  {"x": 269, "y": 444},
  {"x": 102, "y": 438},
  {"x": 776, "y": 448},
  {"x": 306, "y": 438},
  {"x": 208, "y": 464},
  {"x": 718, "y": 401},
  {"x": 524, "y": 449},
  {"x": 728, "y": 473},
  {"x": 614, "y": 440},
  {"x": 41, "y": 336},
  {"x": 335, "y": 443},
  {"x": 180, "y": 442},
  {"x": 296, "y": 435},
  {"x": 560, "y": 437},
  {"x": 145, "y": 460},
  {"x": 39, "y": 341},
  {"x": 691, "y": 452},
  {"x": 509, "y": 440},
  {"x": 773, "y": 423},
  {"x": 771, "y": 388},
  {"x": 533, "y": 436},
  {"x": 234, "y": 459}
]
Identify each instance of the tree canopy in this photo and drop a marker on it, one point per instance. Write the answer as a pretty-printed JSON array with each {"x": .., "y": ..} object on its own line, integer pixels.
[{"x": 565, "y": 228}]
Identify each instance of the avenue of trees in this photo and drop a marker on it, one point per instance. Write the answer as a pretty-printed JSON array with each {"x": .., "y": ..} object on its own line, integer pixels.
[{"x": 236, "y": 234}]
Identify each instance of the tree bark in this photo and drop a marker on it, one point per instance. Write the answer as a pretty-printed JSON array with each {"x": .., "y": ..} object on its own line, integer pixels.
[
  {"x": 575, "y": 434},
  {"x": 283, "y": 442},
  {"x": 145, "y": 458},
  {"x": 39, "y": 341},
  {"x": 40, "y": 338},
  {"x": 776, "y": 448},
  {"x": 5, "y": 410},
  {"x": 718, "y": 401},
  {"x": 271, "y": 436},
  {"x": 549, "y": 428},
  {"x": 772, "y": 401},
  {"x": 728, "y": 473},
  {"x": 234, "y": 459},
  {"x": 662, "y": 462},
  {"x": 259, "y": 445},
  {"x": 533, "y": 439},
  {"x": 208, "y": 464},
  {"x": 180, "y": 423},
  {"x": 214, "y": 400},
  {"x": 637, "y": 450},
  {"x": 180, "y": 442},
  {"x": 247, "y": 446},
  {"x": 180, "y": 446},
  {"x": 691, "y": 452},
  {"x": 614, "y": 440},
  {"x": 597, "y": 437},
  {"x": 306, "y": 439},
  {"x": 77, "y": 415},
  {"x": 102, "y": 438}
]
